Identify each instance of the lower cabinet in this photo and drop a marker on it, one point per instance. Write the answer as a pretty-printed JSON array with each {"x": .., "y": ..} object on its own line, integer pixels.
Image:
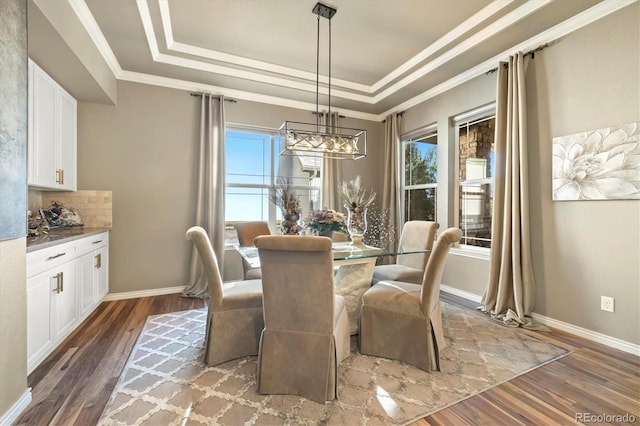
[{"x": 65, "y": 283}]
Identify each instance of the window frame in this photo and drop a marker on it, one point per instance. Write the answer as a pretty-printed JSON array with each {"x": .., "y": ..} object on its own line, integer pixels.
[
  {"x": 476, "y": 115},
  {"x": 417, "y": 135},
  {"x": 272, "y": 210}
]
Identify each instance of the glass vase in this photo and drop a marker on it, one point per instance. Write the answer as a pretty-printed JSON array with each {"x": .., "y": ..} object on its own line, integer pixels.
[{"x": 357, "y": 224}]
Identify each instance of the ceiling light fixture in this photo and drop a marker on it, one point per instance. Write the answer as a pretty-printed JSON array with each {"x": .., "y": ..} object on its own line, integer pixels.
[{"x": 308, "y": 139}]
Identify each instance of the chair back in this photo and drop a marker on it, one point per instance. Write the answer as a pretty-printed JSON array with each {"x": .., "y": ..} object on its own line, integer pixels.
[
  {"x": 297, "y": 283},
  {"x": 430, "y": 293},
  {"x": 203, "y": 246},
  {"x": 417, "y": 235},
  {"x": 248, "y": 231}
]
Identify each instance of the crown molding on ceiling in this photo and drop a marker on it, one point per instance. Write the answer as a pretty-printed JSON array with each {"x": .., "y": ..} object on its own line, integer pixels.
[
  {"x": 91, "y": 26},
  {"x": 173, "y": 83},
  {"x": 565, "y": 27},
  {"x": 574, "y": 23}
]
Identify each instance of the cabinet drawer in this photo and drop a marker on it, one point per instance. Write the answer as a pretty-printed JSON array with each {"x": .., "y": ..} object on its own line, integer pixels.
[
  {"x": 42, "y": 260},
  {"x": 93, "y": 242}
]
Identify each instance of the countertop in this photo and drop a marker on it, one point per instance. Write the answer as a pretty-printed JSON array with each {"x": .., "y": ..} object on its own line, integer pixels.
[{"x": 60, "y": 236}]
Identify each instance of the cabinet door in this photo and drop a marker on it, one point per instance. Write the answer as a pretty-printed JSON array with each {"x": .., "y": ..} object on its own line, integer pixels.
[
  {"x": 39, "y": 327},
  {"x": 86, "y": 283},
  {"x": 66, "y": 148},
  {"x": 101, "y": 271},
  {"x": 43, "y": 157},
  {"x": 66, "y": 300}
]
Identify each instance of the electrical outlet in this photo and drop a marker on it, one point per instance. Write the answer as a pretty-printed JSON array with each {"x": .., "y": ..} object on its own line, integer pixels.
[{"x": 606, "y": 303}]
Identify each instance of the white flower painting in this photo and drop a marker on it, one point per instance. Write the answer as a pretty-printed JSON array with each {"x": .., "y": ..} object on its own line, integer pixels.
[{"x": 598, "y": 165}]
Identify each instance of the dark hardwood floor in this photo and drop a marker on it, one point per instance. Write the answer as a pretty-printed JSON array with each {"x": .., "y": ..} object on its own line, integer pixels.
[{"x": 74, "y": 383}]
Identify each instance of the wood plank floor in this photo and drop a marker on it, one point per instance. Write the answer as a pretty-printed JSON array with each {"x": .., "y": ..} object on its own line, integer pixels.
[{"x": 74, "y": 383}]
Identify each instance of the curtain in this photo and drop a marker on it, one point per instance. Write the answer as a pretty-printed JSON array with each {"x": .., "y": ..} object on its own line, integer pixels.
[
  {"x": 331, "y": 171},
  {"x": 211, "y": 190},
  {"x": 511, "y": 292},
  {"x": 390, "y": 192}
]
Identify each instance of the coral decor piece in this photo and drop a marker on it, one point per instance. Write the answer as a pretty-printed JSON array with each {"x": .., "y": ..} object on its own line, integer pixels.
[
  {"x": 326, "y": 221},
  {"x": 600, "y": 164}
]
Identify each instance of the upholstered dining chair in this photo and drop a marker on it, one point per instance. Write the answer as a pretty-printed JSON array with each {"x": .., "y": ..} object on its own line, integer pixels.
[
  {"x": 403, "y": 321},
  {"x": 416, "y": 235},
  {"x": 234, "y": 318},
  {"x": 247, "y": 231},
  {"x": 306, "y": 334}
]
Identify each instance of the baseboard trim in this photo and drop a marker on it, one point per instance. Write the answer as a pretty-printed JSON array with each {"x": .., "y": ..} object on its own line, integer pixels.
[
  {"x": 612, "y": 342},
  {"x": 143, "y": 293},
  {"x": 16, "y": 409},
  {"x": 461, "y": 293},
  {"x": 594, "y": 336}
]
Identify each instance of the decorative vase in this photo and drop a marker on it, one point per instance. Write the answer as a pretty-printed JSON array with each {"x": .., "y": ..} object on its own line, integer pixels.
[
  {"x": 357, "y": 224},
  {"x": 289, "y": 224}
]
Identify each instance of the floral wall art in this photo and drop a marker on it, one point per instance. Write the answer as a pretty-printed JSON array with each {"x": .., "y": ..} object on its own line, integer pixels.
[{"x": 600, "y": 164}]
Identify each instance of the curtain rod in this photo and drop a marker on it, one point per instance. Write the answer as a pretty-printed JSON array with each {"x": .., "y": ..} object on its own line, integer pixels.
[
  {"x": 215, "y": 96},
  {"x": 531, "y": 53}
]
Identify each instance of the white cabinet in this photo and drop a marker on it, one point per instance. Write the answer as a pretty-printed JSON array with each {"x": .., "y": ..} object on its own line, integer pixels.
[
  {"x": 65, "y": 283},
  {"x": 52, "y": 139},
  {"x": 92, "y": 269}
]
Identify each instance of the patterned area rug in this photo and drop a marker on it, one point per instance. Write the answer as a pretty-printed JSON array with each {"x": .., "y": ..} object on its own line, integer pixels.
[{"x": 166, "y": 383}]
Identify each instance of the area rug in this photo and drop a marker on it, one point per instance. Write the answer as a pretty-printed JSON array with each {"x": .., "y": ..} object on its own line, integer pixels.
[{"x": 166, "y": 383}]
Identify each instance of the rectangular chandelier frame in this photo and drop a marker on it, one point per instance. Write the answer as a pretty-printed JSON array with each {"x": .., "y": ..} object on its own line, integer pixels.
[{"x": 339, "y": 143}]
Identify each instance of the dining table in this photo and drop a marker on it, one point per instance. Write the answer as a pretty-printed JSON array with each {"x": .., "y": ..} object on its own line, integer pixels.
[{"x": 354, "y": 265}]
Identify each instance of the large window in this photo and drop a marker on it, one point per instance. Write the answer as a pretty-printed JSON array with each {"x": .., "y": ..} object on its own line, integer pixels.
[
  {"x": 254, "y": 168},
  {"x": 420, "y": 177},
  {"x": 475, "y": 178}
]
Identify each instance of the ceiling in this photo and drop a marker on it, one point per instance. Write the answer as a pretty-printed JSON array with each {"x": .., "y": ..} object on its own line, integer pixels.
[{"x": 387, "y": 55}]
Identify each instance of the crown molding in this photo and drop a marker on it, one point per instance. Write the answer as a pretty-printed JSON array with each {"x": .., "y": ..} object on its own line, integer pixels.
[
  {"x": 479, "y": 17},
  {"x": 185, "y": 85},
  {"x": 568, "y": 26},
  {"x": 91, "y": 26},
  {"x": 574, "y": 23}
]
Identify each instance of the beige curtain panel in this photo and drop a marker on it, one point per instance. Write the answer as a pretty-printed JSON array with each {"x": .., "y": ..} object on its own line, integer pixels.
[
  {"x": 331, "y": 171},
  {"x": 511, "y": 292},
  {"x": 390, "y": 193},
  {"x": 210, "y": 196}
]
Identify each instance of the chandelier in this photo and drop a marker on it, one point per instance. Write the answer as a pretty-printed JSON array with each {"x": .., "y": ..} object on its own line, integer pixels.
[{"x": 313, "y": 139}]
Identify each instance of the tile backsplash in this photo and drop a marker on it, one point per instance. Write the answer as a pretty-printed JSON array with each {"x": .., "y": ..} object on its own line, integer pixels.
[{"x": 95, "y": 207}]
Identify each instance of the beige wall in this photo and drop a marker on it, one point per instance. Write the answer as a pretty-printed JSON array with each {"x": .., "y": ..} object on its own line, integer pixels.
[
  {"x": 584, "y": 249},
  {"x": 144, "y": 150}
]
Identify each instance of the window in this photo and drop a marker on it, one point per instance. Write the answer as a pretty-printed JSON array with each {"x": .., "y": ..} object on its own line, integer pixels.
[
  {"x": 476, "y": 169},
  {"x": 420, "y": 177},
  {"x": 253, "y": 169}
]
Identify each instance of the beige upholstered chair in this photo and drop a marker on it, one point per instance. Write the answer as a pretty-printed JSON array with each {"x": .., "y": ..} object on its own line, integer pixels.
[
  {"x": 416, "y": 234},
  {"x": 403, "y": 321},
  {"x": 234, "y": 319},
  {"x": 306, "y": 334},
  {"x": 247, "y": 232}
]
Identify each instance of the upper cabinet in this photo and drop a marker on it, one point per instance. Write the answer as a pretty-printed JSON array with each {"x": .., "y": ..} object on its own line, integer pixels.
[{"x": 52, "y": 133}]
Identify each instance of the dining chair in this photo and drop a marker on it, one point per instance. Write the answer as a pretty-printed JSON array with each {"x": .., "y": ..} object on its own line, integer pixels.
[
  {"x": 234, "y": 317},
  {"x": 416, "y": 235},
  {"x": 247, "y": 232},
  {"x": 403, "y": 321},
  {"x": 306, "y": 334}
]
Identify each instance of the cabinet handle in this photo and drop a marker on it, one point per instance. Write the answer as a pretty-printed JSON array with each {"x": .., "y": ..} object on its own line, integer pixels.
[
  {"x": 59, "y": 176},
  {"x": 62, "y": 174},
  {"x": 61, "y": 281},
  {"x": 56, "y": 256},
  {"x": 57, "y": 277},
  {"x": 96, "y": 242},
  {"x": 98, "y": 258}
]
